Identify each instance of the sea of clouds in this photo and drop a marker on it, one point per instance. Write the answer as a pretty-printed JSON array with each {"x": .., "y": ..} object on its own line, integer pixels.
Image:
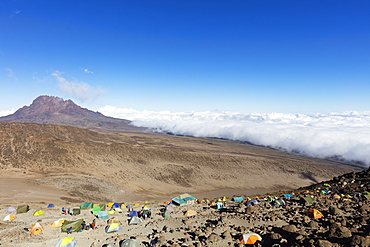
[
  {"x": 345, "y": 135},
  {"x": 6, "y": 112}
]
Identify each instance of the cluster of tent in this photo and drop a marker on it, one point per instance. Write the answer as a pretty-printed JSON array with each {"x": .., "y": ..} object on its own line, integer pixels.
[
  {"x": 71, "y": 242},
  {"x": 113, "y": 223},
  {"x": 19, "y": 210}
]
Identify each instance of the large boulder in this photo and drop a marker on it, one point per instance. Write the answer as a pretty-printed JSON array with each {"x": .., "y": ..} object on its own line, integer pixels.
[
  {"x": 290, "y": 228},
  {"x": 275, "y": 236},
  {"x": 333, "y": 210},
  {"x": 250, "y": 209},
  {"x": 324, "y": 243},
  {"x": 338, "y": 231},
  {"x": 360, "y": 241},
  {"x": 213, "y": 238},
  {"x": 313, "y": 224},
  {"x": 227, "y": 235}
]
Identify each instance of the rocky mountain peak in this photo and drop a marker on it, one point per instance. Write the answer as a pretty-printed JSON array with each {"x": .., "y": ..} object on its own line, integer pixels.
[
  {"x": 54, "y": 110},
  {"x": 48, "y": 105}
]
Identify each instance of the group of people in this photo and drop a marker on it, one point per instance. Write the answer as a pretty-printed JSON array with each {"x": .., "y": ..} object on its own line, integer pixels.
[{"x": 145, "y": 214}]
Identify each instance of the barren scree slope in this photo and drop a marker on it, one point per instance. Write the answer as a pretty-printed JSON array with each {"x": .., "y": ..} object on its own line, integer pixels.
[{"x": 41, "y": 162}]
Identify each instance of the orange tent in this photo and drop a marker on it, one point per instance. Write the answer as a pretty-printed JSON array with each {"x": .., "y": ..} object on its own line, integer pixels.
[
  {"x": 36, "y": 228},
  {"x": 57, "y": 223},
  {"x": 250, "y": 238},
  {"x": 336, "y": 196},
  {"x": 9, "y": 217},
  {"x": 190, "y": 213},
  {"x": 314, "y": 213}
]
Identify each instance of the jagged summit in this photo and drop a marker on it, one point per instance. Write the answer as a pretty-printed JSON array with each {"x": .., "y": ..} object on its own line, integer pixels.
[
  {"x": 45, "y": 105},
  {"x": 54, "y": 110}
]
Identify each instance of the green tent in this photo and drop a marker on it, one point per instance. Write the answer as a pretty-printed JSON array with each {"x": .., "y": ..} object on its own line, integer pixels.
[
  {"x": 75, "y": 225},
  {"x": 95, "y": 210},
  {"x": 76, "y": 211},
  {"x": 166, "y": 214},
  {"x": 86, "y": 205},
  {"x": 278, "y": 203},
  {"x": 23, "y": 209},
  {"x": 307, "y": 198},
  {"x": 103, "y": 207}
]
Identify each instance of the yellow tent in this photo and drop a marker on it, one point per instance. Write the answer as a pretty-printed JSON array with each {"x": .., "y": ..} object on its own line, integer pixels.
[
  {"x": 136, "y": 204},
  {"x": 66, "y": 242},
  {"x": 314, "y": 213},
  {"x": 9, "y": 217},
  {"x": 110, "y": 204},
  {"x": 190, "y": 213},
  {"x": 36, "y": 228},
  {"x": 57, "y": 223},
  {"x": 123, "y": 206},
  {"x": 113, "y": 227},
  {"x": 38, "y": 212},
  {"x": 113, "y": 220},
  {"x": 111, "y": 211}
]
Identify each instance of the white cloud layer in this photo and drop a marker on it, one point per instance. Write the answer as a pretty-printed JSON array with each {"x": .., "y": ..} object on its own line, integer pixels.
[
  {"x": 346, "y": 135},
  {"x": 6, "y": 113},
  {"x": 78, "y": 89}
]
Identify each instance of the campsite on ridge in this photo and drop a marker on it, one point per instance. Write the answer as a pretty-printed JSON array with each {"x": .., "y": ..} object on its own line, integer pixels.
[{"x": 330, "y": 213}]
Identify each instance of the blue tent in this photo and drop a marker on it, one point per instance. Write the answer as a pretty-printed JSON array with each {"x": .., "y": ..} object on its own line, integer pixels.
[
  {"x": 219, "y": 205},
  {"x": 238, "y": 199},
  {"x": 132, "y": 213},
  {"x": 103, "y": 215},
  {"x": 288, "y": 195},
  {"x": 252, "y": 202},
  {"x": 183, "y": 199},
  {"x": 50, "y": 206},
  {"x": 115, "y": 205}
]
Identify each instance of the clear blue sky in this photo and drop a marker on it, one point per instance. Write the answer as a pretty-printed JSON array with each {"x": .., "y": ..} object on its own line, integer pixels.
[{"x": 246, "y": 55}]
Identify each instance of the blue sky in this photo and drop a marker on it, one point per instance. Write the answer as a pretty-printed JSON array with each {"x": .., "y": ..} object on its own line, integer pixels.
[{"x": 245, "y": 56}]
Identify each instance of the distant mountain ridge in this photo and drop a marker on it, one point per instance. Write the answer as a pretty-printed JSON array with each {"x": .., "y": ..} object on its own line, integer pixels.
[{"x": 54, "y": 110}]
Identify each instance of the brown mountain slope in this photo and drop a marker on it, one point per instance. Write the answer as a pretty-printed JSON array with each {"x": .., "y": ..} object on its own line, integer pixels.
[
  {"x": 54, "y": 110},
  {"x": 85, "y": 165}
]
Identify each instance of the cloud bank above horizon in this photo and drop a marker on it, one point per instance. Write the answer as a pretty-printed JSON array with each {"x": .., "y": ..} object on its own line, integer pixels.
[{"x": 345, "y": 135}]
